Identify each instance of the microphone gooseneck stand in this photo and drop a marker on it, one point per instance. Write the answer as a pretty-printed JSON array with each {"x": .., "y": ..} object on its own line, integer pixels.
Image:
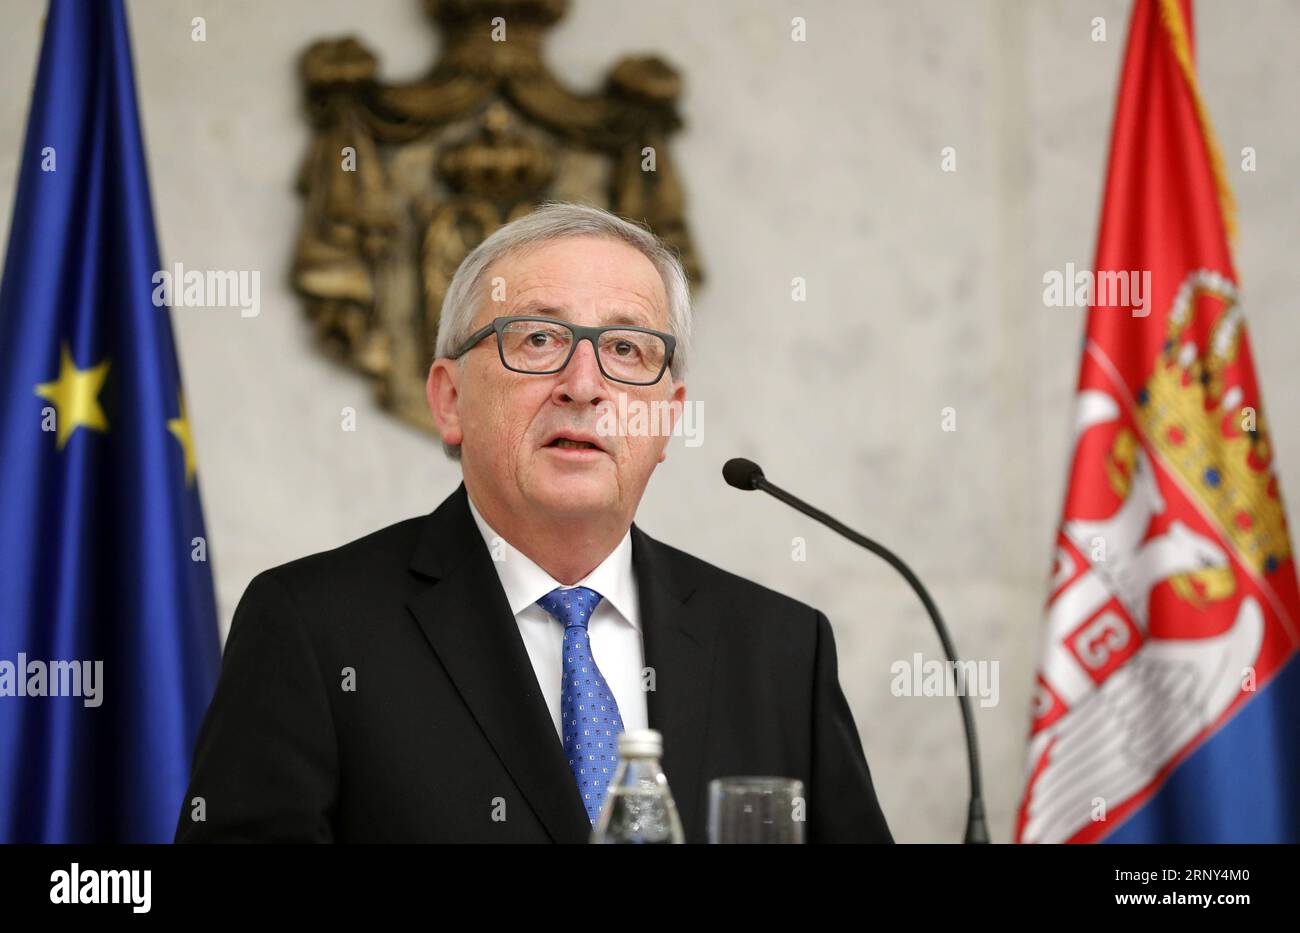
[{"x": 747, "y": 475}]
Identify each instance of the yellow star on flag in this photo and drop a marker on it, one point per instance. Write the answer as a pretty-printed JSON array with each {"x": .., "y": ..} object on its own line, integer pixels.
[
  {"x": 75, "y": 395},
  {"x": 180, "y": 427}
]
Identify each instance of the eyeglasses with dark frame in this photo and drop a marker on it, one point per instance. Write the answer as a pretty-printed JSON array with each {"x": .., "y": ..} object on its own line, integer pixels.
[{"x": 542, "y": 346}]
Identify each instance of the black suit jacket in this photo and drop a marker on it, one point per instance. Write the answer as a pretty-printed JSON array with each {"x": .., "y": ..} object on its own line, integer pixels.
[{"x": 446, "y": 730}]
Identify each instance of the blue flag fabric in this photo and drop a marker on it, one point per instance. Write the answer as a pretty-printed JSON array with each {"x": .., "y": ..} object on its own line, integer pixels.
[{"x": 109, "y": 648}]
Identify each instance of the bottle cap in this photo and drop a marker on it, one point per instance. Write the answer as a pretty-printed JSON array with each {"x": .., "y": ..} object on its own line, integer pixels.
[{"x": 640, "y": 743}]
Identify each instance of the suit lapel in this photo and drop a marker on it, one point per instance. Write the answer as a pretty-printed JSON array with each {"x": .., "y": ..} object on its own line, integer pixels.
[
  {"x": 679, "y": 642},
  {"x": 465, "y": 617}
]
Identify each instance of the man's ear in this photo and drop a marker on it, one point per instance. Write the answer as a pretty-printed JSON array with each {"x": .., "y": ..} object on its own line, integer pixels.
[
  {"x": 443, "y": 391},
  {"x": 675, "y": 403}
]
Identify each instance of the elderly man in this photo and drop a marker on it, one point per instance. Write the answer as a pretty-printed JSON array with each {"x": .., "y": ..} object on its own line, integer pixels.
[{"x": 408, "y": 686}]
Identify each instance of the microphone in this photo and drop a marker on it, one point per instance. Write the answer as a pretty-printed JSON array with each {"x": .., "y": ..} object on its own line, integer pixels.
[{"x": 747, "y": 475}]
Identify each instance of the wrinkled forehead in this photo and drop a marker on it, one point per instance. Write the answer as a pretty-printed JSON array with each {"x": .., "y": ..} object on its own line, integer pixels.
[{"x": 585, "y": 280}]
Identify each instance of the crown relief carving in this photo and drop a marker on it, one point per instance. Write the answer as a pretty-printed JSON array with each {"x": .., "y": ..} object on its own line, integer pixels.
[{"x": 401, "y": 181}]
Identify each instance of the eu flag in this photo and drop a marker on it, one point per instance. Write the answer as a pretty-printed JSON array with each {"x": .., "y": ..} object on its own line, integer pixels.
[{"x": 108, "y": 636}]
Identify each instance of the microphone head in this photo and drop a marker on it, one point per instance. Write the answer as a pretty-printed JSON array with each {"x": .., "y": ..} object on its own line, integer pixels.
[{"x": 742, "y": 473}]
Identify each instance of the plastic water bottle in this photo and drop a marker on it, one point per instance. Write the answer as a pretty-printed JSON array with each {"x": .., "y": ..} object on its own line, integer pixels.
[{"x": 638, "y": 806}]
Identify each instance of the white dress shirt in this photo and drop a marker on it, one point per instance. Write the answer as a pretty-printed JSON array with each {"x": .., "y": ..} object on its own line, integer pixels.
[{"x": 614, "y": 628}]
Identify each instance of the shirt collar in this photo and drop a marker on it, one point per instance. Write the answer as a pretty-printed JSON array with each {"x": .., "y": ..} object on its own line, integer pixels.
[{"x": 524, "y": 582}]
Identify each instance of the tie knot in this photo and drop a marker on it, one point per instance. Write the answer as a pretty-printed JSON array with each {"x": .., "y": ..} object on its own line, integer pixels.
[{"x": 571, "y": 605}]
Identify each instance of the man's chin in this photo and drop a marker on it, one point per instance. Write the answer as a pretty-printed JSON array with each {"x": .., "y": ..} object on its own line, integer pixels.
[{"x": 566, "y": 490}]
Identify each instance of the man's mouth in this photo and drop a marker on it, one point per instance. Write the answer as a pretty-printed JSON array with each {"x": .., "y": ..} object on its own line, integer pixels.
[
  {"x": 576, "y": 442},
  {"x": 565, "y": 444}
]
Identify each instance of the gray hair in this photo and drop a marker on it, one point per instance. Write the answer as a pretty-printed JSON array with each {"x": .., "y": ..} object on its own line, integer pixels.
[{"x": 555, "y": 220}]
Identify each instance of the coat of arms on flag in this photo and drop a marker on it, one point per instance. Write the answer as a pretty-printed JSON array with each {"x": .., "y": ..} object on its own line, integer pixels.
[{"x": 1173, "y": 603}]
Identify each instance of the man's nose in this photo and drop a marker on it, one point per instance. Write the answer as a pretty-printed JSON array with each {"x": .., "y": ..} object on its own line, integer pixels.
[{"x": 581, "y": 381}]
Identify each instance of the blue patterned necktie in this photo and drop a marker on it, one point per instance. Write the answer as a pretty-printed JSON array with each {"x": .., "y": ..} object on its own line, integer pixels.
[{"x": 589, "y": 716}]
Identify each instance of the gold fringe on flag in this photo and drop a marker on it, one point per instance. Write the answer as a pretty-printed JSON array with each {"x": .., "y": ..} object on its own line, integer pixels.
[{"x": 1171, "y": 16}]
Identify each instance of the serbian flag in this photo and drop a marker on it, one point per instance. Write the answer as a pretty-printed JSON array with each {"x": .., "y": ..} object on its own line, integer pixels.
[{"x": 1167, "y": 703}]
